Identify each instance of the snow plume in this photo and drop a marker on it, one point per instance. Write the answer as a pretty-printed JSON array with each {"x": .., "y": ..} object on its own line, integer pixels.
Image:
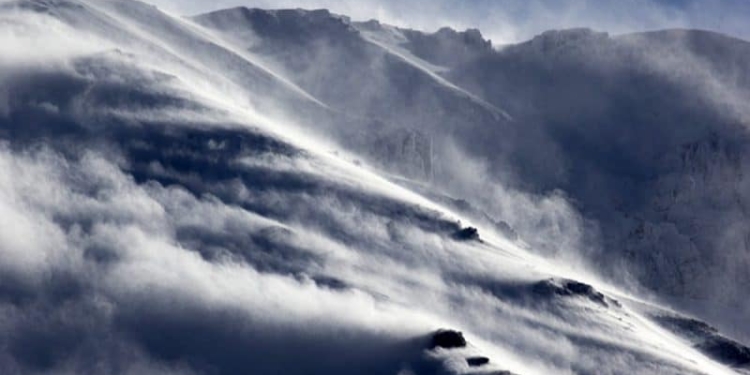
[
  {"x": 706, "y": 173},
  {"x": 416, "y": 124},
  {"x": 536, "y": 173},
  {"x": 34, "y": 38},
  {"x": 711, "y": 65},
  {"x": 91, "y": 264},
  {"x": 547, "y": 222},
  {"x": 151, "y": 222},
  {"x": 101, "y": 273}
]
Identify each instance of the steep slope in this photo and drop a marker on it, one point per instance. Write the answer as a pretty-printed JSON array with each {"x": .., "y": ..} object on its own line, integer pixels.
[
  {"x": 611, "y": 122},
  {"x": 149, "y": 227},
  {"x": 162, "y": 40},
  {"x": 359, "y": 74},
  {"x": 648, "y": 134}
]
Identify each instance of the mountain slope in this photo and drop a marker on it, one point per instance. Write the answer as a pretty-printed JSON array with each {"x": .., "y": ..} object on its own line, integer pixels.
[
  {"x": 355, "y": 73},
  {"x": 155, "y": 223},
  {"x": 649, "y": 136},
  {"x": 612, "y": 122}
]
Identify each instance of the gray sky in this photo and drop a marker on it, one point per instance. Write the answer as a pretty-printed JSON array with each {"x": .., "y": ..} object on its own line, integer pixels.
[{"x": 516, "y": 20}]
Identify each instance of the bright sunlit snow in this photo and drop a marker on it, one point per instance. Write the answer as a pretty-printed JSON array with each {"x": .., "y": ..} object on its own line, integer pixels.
[{"x": 327, "y": 199}]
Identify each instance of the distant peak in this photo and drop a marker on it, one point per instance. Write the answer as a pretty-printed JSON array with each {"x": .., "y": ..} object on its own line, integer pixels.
[
  {"x": 553, "y": 41},
  {"x": 468, "y": 34},
  {"x": 373, "y": 23},
  {"x": 278, "y": 22},
  {"x": 290, "y": 13},
  {"x": 579, "y": 33}
]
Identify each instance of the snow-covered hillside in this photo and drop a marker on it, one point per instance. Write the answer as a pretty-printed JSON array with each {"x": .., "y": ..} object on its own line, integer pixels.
[
  {"x": 291, "y": 193},
  {"x": 595, "y": 129}
]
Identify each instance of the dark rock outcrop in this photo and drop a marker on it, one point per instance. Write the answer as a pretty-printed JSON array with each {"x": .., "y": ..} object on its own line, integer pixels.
[
  {"x": 727, "y": 351},
  {"x": 569, "y": 288},
  {"x": 477, "y": 361},
  {"x": 447, "y": 339},
  {"x": 467, "y": 234},
  {"x": 708, "y": 340}
]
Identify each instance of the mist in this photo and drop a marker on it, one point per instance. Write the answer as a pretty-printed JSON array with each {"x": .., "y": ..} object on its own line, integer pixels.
[{"x": 195, "y": 196}]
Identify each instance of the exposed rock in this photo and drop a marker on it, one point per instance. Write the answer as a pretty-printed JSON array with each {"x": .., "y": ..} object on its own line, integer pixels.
[
  {"x": 467, "y": 234},
  {"x": 477, "y": 361},
  {"x": 448, "y": 339},
  {"x": 727, "y": 351},
  {"x": 330, "y": 282},
  {"x": 290, "y": 25},
  {"x": 447, "y": 47},
  {"x": 689, "y": 327},
  {"x": 569, "y": 288},
  {"x": 708, "y": 340}
]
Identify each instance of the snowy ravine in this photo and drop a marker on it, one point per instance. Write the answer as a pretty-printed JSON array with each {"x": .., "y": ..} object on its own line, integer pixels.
[{"x": 172, "y": 202}]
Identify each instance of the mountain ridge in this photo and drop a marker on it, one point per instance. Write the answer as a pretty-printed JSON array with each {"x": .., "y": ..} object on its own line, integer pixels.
[
  {"x": 172, "y": 206},
  {"x": 682, "y": 86}
]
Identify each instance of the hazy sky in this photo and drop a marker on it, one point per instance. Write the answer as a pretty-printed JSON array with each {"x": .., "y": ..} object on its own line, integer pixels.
[{"x": 514, "y": 20}]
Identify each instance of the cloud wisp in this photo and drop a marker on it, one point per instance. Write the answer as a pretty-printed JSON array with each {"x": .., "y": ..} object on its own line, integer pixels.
[{"x": 157, "y": 219}]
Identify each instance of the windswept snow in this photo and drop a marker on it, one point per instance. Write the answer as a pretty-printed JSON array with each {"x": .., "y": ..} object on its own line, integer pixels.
[
  {"x": 153, "y": 222},
  {"x": 429, "y": 69}
]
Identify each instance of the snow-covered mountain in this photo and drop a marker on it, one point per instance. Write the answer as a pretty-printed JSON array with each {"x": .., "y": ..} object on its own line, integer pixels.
[
  {"x": 606, "y": 120},
  {"x": 288, "y": 191},
  {"x": 649, "y": 132}
]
